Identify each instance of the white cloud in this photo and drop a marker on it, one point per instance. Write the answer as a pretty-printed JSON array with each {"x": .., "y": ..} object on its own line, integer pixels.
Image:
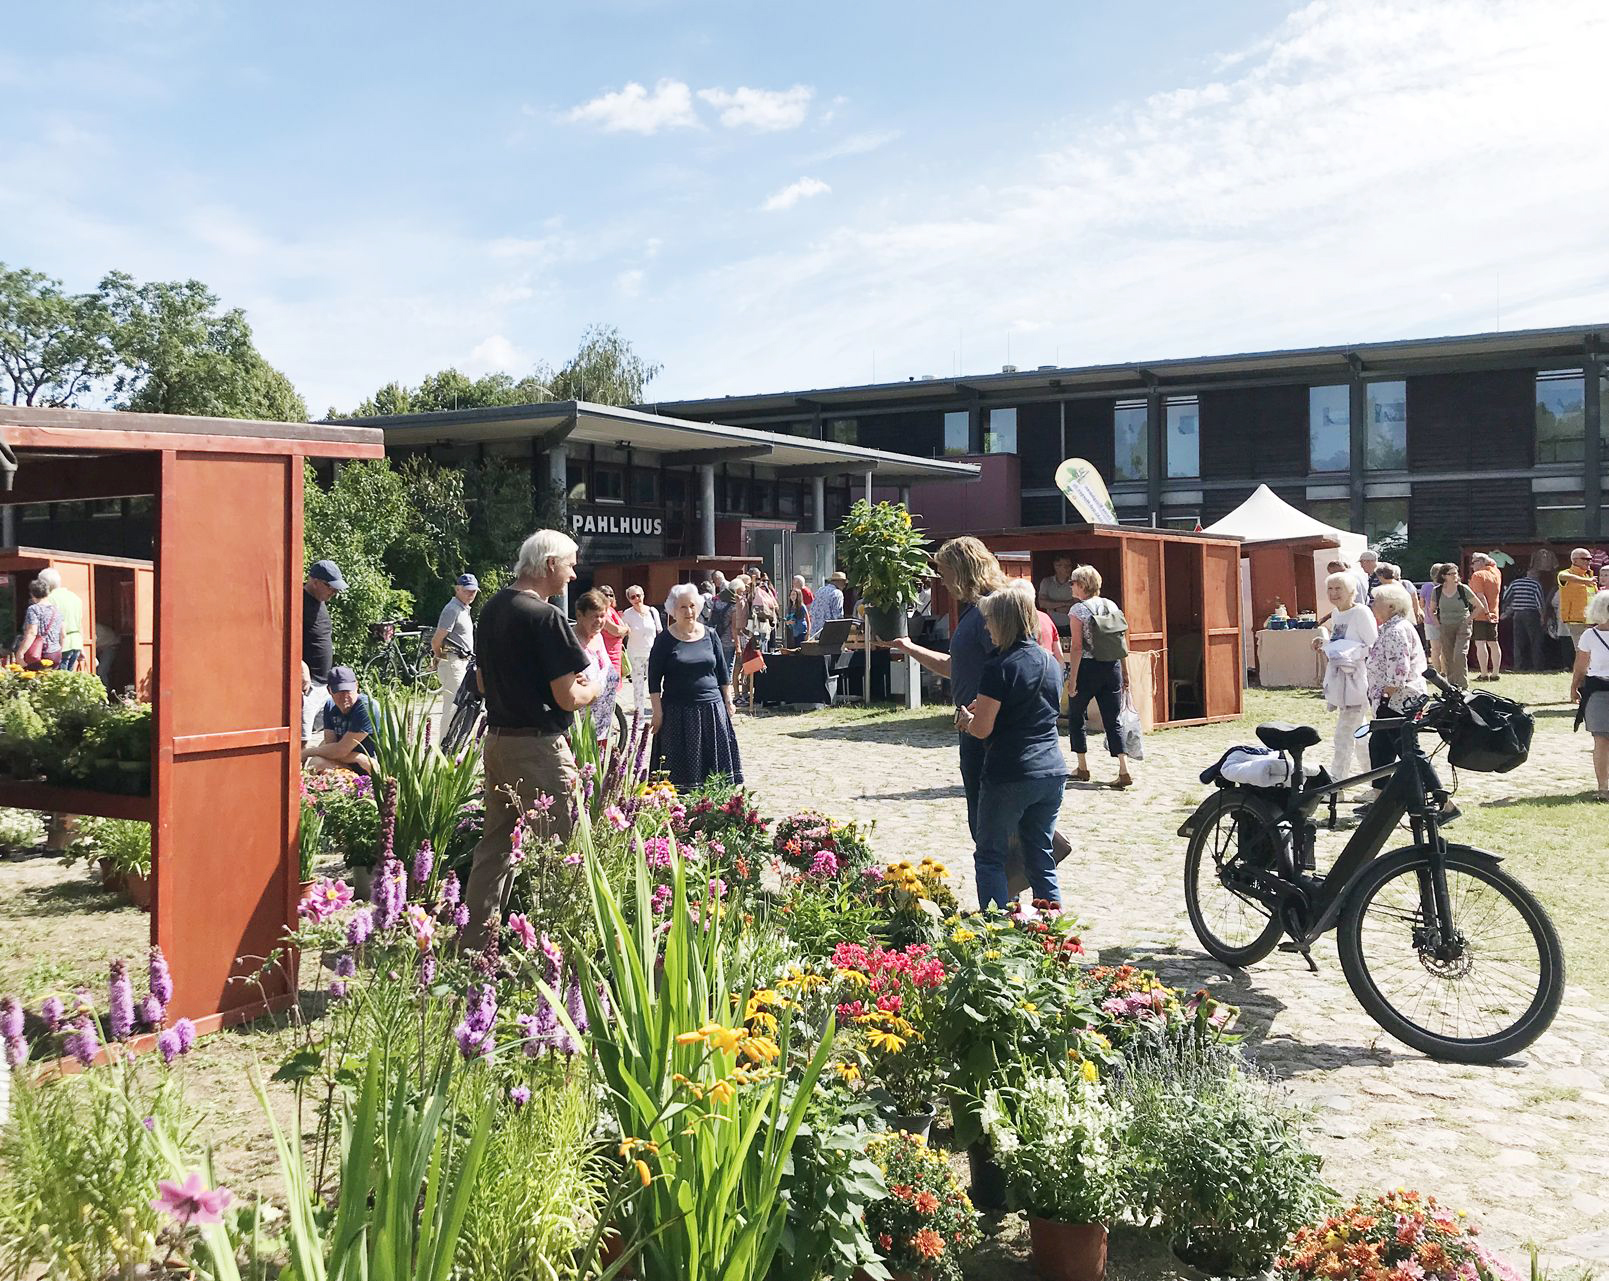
[
  {"x": 793, "y": 193},
  {"x": 492, "y": 354},
  {"x": 763, "y": 110},
  {"x": 635, "y": 109},
  {"x": 856, "y": 144}
]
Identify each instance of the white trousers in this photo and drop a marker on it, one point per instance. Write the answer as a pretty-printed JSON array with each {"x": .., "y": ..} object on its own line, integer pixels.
[
  {"x": 450, "y": 671},
  {"x": 312, "y": 704},
  {"x": 639, "y": 683},
  {"x": 1351, "y": 755}
]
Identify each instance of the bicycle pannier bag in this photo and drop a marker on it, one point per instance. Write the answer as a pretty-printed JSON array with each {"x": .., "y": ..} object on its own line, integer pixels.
[
  {"x": 1492, "y": 737},
  {"x": 1109, "y": 639}
]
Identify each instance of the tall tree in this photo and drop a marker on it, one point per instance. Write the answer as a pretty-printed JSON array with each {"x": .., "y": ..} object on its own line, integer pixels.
[
  {"x": 54, "y": 346},
  {"x": 605, "y": 370}
]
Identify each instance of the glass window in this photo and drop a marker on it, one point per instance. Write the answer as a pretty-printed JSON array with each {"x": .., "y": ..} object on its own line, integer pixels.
[
  {"x": 787, "y": 499},
  {"x": 1388, "y": 426},
  {"x": 1561, "y": 416},
  {"x": 1130, "y": 450},
  {"x": 608, "y": 485},
  {"x": 575, "y": 479},
  {"x": 1184, "y": 438},
  {"x": 1384, "y": 517},
  {"x": 1336, "y": 512},
  {"x": 644, "y": 486},
  {"x": 842, "y": 431},
  {"x": 1001, "y": 437},
  {"x": 957, "y": 433},
  {"x": 1329, "y": 428}
]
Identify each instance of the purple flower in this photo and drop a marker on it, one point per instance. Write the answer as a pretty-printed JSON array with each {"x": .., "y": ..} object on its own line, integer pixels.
[
  {"x": 717, "y": 888},
  {"x": 149, "y": 1122},
  {"x": 572, "y": 860},
  {"x": 338, "y": 990},
  {"x": 825, "y": 863},
  {"x": 51, "y": 1011},
  {"x": 542, "y": 804},
  {"x": 656, "y": 851},
  {"x": 449, "y": 890},
  {"x": 345, "y": 966},
  {"x": 661, "y": 899},
  {"x": 523, "y": 929},
  {"x": 539, "y": 1030},
  {"x": 83, "y": 1043},
  {"x": 388, "y": 820},
  {"x": 119, "y": 1003},
  {"x": 390, "y": 894},
  {"x": 472, "y": 1044},
  {"x": 10, "y": 1018},
  {"x": 460, "y": 916},
  {"x": 481, "y": 1011},
  {"x": 187, "y": 1035},
  {"x": 519, "y": 1096},
  {"x": 485, "y": 962},
  {"x": 191, "y": 1201},
  {"x": 167, "y": 1042},
  {"x": 152, "y": 1012},
  {"x": 871, "y": 874},
  {"x": 427, "y": 969},
  {"x": 423, "y": 860},
  {"x": 324, "y": 898},
  {"x": 161, "y": 982},
  {"x": 359, "y": 928}
]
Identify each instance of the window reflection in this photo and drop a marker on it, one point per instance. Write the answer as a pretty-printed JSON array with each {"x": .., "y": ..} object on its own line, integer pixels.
[
  {"x": 957, "y": 433},
  {"x": 1131, "y": 455},
  {"x": 1329, "y": 428},
  {"x": 1001, "y": 438},
  {"x": 1387, "y": 421},
  {"x": 1561, "y": 416},
  {"x": 1184, "y": 438}
]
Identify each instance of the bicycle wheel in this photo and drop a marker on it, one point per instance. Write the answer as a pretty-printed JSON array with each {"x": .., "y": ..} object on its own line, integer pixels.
[
  {"x": 1476, "y": 990},
  {"x": 1226, "y": 852},
  {"x": 463, "y": 727}
]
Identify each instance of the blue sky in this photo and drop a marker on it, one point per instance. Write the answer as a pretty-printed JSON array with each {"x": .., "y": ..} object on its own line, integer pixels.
[{"x": 765, "y": 197}]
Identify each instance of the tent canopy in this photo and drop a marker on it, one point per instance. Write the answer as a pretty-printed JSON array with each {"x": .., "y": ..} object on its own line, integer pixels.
[{"x": 1265, "y": 517}]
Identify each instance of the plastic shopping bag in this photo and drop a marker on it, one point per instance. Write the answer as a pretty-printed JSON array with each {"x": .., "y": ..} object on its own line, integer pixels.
[{"x": 1128, "y": 729}]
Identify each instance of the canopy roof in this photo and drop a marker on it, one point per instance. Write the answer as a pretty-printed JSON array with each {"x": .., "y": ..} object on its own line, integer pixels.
[{"x": 1265, "y": 517}]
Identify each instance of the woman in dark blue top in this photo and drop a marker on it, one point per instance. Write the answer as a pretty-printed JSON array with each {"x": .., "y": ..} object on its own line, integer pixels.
[
  {"x": 1024, "y": 774},
  {"x": 690, "y": 685}
]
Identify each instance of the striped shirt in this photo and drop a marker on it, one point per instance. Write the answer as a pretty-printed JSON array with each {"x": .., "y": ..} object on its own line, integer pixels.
[{"x": 1525, "y": 593}]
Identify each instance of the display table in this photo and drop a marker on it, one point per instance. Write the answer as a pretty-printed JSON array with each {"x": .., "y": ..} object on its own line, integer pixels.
[
  {"x": 794, "y": 678},
  {"x": 1287, "y": 660}
]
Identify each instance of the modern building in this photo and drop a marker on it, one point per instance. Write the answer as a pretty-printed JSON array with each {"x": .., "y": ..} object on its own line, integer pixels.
[{"x": 1487, "y": 436}]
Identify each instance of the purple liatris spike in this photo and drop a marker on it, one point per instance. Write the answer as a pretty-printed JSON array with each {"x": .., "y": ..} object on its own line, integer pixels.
[
  {"x": 338, "y": 990},
  {"x": 460, "y": 916},
  {"x": 51, "y": 1010},
  {"x": 187, "y": 1035},
  {"x": 390, "y": 894},
  {"x": 575, "y": 1005},
  {"x": 82, "y": 1042},
  {"x": 168, "y": 1045},
  {"x": 161, "y": 982},
  {"x": 450, "y": 892},
  {"x": 359, "y": 928},
  {"x": 423, "y": 860},
  {"x": 345, "y": 966},
  {"x": 485, "y": 961},
  {"x": 10, "y": 1018},
  {"x": 427, "y": 969},
  {"x": 539, "y": 1030},
  {"x": 481, "y": 1011},
  {"x": 519, "y": 1096},
  {"x": 388, "y": 819},
  {"x": 119, "y": 1003},
  {"x": 553, "y": 962},
  {"x": 152, "y": 1013}
]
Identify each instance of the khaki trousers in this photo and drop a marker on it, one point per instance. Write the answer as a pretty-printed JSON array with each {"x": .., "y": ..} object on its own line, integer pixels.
[{"x": 528, "y": 766}]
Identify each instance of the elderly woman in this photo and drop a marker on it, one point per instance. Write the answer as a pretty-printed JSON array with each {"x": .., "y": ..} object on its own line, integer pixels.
[
  {"x": 1457, "y": 610},
  {"x": 969, "y": 572},
  {"x": 41, "y": 629},
  {"x": 1396, "y": 673},
  {"x": 1089, "y": 679},
  {"x": 1346, "y": 639},
  {"x": 690, "y": 685},
  {"x": 592, "y": 612},
  {"x": 1014, "y": 716},
  {"x": 642, "y": 625},
  {"x": 1589, "y": 685}
]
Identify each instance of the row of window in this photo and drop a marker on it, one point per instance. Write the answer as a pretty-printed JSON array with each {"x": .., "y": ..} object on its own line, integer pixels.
[{"x": 649, "y": 487}]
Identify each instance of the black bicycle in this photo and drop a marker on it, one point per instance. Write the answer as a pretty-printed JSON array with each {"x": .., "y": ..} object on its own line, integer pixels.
[
  {"x": 402, "y": 658},
  {"x": 468, "y": 722},
  {"x": 1445, "y": 950}
]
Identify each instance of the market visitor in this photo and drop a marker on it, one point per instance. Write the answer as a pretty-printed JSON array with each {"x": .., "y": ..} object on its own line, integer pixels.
[
  {"x": 1457, "y": 610},
  {"x": 72, "y": 617},
  {"x": 1589, "y": 685},
  {"x": 1056, "y": 591},
  {"x": 453, "y": 644},
  {"x": 1360, "y": 580},
  {"x": 613, "y": 628},
  {"x": 642, "y": 624},
  {"x": 1088, "y": 678},
  {"x": 765, "y": 609},
  {"x": 799, "y": 598},
  {"x": 829, "y": 602},
  {"x": 323, "y": 583},
  {"x": 1577, "y": 583},
  {"x": 1345, "y": 642},
  {"x": 533, "y": 673},
  {"x": 1024, "y": 775},
  {"x": 40, "y": 644},
  {"x": 1525, "y": 605},
  {"x": 969, "y": 572},
  {"x": 347, "y": 726},
  {"x": 1369, "y": 566},
  {"x": 1486, "y": 581},
  {"x": 690, "y": 687},
  {"x": 1389, "y": 573},
  {"x": 591, "y": 617},
  {"x": 721, "y": 606},
  {"x": 1396, "y": 668},
  {"x": 803, "y": 588},
  {"x": 1426, "y": 614}
]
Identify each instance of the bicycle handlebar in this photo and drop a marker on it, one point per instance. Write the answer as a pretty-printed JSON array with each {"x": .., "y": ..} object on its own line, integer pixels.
[{"x": 1434, "y": 678}]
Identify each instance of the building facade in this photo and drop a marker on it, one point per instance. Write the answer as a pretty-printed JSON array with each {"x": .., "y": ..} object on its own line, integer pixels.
[{"x": 1486, "y": 437}]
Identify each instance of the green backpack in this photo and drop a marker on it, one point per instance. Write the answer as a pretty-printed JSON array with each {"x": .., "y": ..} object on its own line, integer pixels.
[{"x": 1109, "y": 631}]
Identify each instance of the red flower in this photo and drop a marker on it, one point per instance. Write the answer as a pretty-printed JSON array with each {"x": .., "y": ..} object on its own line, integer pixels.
[
  {"x": 928, "y": 1243},
  {"x": 885, "y": 1243},
  {"x": 926, "y": 1203}
]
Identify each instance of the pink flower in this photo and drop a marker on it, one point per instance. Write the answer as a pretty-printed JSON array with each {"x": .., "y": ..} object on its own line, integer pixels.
[
  {"x": 191, "y": 1202},
  {"x": 523, "y": 929},
  {"x": 324, "y": 898},
  {"x": 616, "y": 818}
]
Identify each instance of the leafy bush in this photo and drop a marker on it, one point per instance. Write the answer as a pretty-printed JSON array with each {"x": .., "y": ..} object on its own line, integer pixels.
[
  {"x": 354, "y": 522},
  {"x": 349, "y": 815},
  {"x": 884, "y": 556},
  {"x": 829, "y": 1187},
  {"x": 1397, "y": 1234},
  {"x": 126, "y": 844}
]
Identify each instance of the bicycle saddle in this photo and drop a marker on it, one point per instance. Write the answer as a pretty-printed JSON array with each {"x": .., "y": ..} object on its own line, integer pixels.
[{"x": 1287, "y": 738}]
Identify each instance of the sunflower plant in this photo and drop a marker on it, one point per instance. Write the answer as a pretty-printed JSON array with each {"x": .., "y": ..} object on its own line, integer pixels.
[{"x": 883, "y": 554}]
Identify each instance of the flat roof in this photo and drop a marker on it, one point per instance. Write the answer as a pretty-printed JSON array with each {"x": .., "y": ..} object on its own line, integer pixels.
[
  {"x": 93, "y": 431},
  {"x": 583, "y": 422},
  {"x": 1138, "y": 377}
]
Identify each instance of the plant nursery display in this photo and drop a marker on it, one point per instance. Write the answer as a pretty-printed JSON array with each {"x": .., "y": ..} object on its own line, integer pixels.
[
  {"x": 885, "y": 558},
  {"x": 58, "y": 727}
]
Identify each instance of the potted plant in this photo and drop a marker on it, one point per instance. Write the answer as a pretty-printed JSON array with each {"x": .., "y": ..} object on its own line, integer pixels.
[
  {"x": 886, "y": 559},
  {"x": 1402, "y": 1233},
  {"x": 1059, "y": 1141},
  {"x": 350, "y": 821},
  {"x": 925, "y": 1224},
  {"x": 126, "y": 845}
]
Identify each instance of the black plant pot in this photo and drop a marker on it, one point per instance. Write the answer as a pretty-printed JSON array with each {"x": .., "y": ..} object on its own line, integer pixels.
[
  {"x": 886, "y": 624},
  {"x": 988, "y": 1179},
  {"x": 914, "y": 1123}
]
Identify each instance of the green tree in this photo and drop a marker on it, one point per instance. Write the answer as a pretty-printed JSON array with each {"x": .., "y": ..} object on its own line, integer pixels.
[
  {"x": 354, "y": 523},
  {"x": 605, "y": 370},
  {"x": 54, "y": 346}
]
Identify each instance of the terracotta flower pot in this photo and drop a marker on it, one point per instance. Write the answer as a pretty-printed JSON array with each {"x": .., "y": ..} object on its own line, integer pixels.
[
  {"x": 137, "y": 886},
  {"x": 1068, "y": 1251},
  {"x": 111, "y": 878}
]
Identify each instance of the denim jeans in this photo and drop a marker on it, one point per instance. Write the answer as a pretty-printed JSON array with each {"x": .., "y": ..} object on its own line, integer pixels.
[
  {"x": 972, "y": 753},
  {"x": 1024, "y": 808}
]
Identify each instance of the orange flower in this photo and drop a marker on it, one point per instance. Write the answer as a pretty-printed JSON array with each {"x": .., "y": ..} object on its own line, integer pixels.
[
  {"x": 926, "y": 1203},
  {"x": 928, "y": 1243}
]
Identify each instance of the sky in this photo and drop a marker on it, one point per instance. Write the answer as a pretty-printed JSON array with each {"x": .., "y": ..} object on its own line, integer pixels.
[{"x": 765, "y": 197}]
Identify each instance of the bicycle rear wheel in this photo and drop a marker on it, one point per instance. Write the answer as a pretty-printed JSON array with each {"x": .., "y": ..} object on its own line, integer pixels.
[
  {"x": 383, "y": 669},
  {"x": 1475, "y": 989},
  {"x": 1226, "y": 852}
]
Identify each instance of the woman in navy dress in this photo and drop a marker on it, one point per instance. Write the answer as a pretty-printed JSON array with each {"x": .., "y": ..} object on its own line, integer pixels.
[{"x": 690, "y": 686}]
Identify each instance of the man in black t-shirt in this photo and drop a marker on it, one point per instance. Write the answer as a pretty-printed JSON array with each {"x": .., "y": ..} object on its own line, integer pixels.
[
  {"x": 533, "y": 673},
  {"x": 318, "y": 640}
]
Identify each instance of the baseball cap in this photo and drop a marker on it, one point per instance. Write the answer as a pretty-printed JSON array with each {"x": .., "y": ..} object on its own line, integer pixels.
[
  {"x": 342, "y": 679},
  {"x": 327, "y": 571},
  {"x": 470, "y": 581}
]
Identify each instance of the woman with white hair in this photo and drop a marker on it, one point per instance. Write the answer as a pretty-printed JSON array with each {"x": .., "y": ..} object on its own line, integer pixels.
[
  {"x": 1346, "y": 640},
  {"x": 1396, "y": 673},
  {"x": 1589, "y": 685},
  {"x": 690, "y": 685}
]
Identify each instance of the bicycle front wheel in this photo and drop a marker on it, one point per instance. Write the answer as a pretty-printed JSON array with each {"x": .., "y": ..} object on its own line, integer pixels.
[{"x": 1475, "y": 988}]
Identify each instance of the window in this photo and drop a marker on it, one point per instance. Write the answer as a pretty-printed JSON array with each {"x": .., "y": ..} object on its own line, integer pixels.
[
  {"x": 644, "y": 487},
  {"x": 608, "y": 485},
  {"x": 1131, "y": 454},
  {"x": 1335, "y": 512},
  {"x": 1329, "y": 428},
  {"x": 788, "y": 499},
  {"x": 1383, "y": 517},
  {"x": 957, "y": 433},
  {"x": 1001, "y": 436},
  {"x": 1561, "y": 416},
  {"x": 1184, "y": 438},
  {"x": 842, "y": 431},
  {"x": 575, "y": 480},
  {"x": 1387, "y": 421}
]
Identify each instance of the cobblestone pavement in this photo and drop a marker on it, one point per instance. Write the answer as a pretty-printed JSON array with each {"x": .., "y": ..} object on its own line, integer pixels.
[{"x": 1524, "y": 1145}]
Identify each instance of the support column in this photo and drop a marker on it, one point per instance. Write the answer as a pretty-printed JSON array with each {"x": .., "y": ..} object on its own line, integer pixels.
[
  {"x": 559, "y": 482},
  {"x": 905, "y": 497},
  {"x": 866, "y": 623},
  {"x": 706, "y": 509},
  {"x": 1157, "y": 457},
  {"x": 1062, "y": 458},
  {"x": 1357, "y": 421},
  {"x": 1591, "y": 454},
  {"x": 8, "y": 525},
  {"x": 818, "y": 497}
]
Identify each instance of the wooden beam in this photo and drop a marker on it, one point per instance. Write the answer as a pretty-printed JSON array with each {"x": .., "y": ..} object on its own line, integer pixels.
[
  {"x": 698, "y": 457},
  {"x": 172, "y": 429},
  {"x": 57, "y": 480}
]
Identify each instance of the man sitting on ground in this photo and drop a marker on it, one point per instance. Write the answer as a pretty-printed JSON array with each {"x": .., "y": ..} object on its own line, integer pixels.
[{"x": 348, "y": 726}]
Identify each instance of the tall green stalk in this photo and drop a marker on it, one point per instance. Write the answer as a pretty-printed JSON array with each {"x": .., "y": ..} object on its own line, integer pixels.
[{"x": 433, "y": 786}]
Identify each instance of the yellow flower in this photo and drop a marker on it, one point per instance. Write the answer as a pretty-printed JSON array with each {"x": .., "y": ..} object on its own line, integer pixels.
[
  {"x": 1091, "y": 1073},
  {"x": 963, "y": 935},
  {"x": 854, "y": 976},
  {"x": 849, "y": 1071},
  {"x": 722, "y": 1091},
  {"x": 726, "y": 1039},
  {"x": 885, "y": 1041},
  {"x": 643, "y": 1174},
  {"x": 759, "y": 1049},
  {"x": 1030, "y": 1007}
]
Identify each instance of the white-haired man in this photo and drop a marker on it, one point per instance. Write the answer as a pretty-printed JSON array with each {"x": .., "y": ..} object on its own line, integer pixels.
[
  {"x": 533, "y": 673},
  {"x": 1577, "y": 583}
]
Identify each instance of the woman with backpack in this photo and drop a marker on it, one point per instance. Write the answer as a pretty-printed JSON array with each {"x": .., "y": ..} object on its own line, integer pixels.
[
  {"x": 1457, "y": 610},
  {"x": 1097, "y": 641}
]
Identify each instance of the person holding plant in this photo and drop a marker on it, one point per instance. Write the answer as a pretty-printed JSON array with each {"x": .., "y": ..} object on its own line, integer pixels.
[
  {"x": 690, "y": 686},
  {"x": 1090, "y": 678},
  {"x": 1024, "y": 775}
]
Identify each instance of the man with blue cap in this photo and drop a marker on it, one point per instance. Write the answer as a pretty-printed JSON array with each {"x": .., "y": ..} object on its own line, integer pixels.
[
  {"x": 454, "y": 645},
  {"x": 348, "y": 725},
  {"x": 324, "y": 581}
]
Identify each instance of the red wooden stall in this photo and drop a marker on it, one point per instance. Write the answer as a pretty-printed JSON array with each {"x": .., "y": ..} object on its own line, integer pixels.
[
  {"x": 117, "y": 592},
  {"x": 226, "y": 674}
]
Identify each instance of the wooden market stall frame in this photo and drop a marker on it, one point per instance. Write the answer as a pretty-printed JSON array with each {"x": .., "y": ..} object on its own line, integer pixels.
[
  {"x": 1180, "y": 592},
  {"x": 95, "y": 579},
  {"x": 224, "y": 806}
]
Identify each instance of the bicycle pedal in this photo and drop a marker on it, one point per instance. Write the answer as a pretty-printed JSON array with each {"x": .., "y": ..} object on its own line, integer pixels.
[{"x": 1298, "y": 950}]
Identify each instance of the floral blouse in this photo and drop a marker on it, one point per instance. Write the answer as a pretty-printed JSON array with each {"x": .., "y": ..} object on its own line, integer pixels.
[{"x": 1396, "y": 660}]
